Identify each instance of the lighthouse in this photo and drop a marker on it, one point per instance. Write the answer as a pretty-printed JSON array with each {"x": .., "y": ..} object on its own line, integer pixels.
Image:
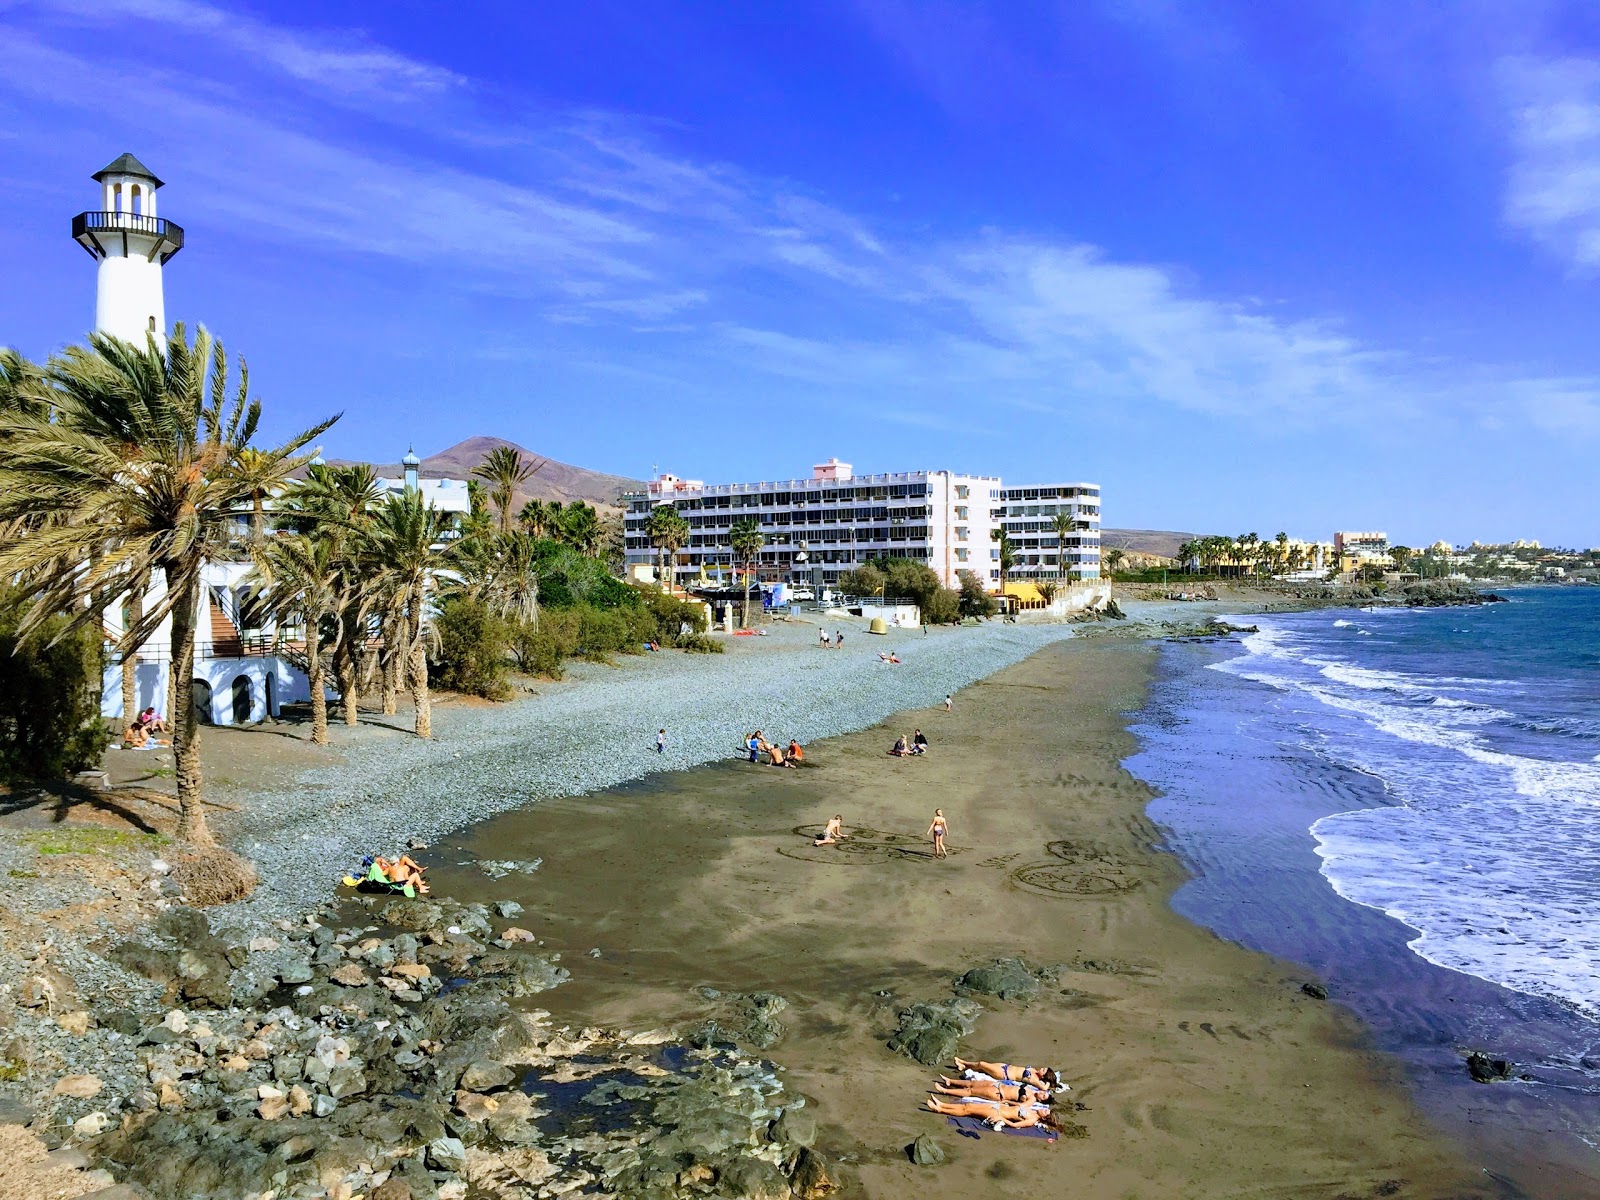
[{"x": 131, "y": 243}]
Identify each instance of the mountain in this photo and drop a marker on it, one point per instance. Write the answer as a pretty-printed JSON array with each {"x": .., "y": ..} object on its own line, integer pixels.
[
  {"x": 553, "y": 481},
  {"x": 1162, "y": 542}
]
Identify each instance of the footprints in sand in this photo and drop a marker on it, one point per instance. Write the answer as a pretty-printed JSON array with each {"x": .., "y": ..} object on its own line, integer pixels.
[{"x": 1209, "y": 1029}]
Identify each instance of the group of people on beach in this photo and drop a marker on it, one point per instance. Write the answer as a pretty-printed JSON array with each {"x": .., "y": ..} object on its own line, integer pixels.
[
  {"x": 777, "y": 754},
  {"x": 145, "y": 726},
  {"x": 910, "y": 748},
  {"x": 1000, "y": 1095},
  {"x": 836, "y": 642}
]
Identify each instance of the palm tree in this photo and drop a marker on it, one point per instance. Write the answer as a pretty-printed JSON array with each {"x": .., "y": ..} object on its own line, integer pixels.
[
  {"x": 1062, "y": 524},
  {"x": 668, "y": 532},
  {"x": 581, "y": 528},
  {"x": 535, "y": 518},
  {"x": 502, "y": 573},
  {"x": 257, "y": 475},
  {"x": 134, "y": 471},
  {"x": 1114, "y": 557},
  {"x": 504, "y": 470},
  {"x": 1048, "y": 589},
  {"x": 745, "y": 539},
  {"x": 1008, "y": 555},
  {"x": 302, "y": 582},
  {"x": 1280, "y": 551},
  {"x": 1401, "y": 556},
  {"x": 20, "y": 385},
  {"x": 406, "y": 544},
  {"x": 337, "y": 503}
]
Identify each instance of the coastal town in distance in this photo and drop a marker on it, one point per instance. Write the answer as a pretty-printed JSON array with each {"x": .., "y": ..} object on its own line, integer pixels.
[{"x": 651, "y": 616}]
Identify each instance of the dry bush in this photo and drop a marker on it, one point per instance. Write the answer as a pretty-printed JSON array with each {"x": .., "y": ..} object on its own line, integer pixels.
[{"x": 214, "y": 876}]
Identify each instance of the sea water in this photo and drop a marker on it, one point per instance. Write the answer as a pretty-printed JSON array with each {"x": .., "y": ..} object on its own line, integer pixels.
[{"x": 1408, "y": 801}]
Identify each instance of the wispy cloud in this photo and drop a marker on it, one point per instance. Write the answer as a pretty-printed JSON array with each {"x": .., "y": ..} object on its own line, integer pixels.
[
  {"x": 593, "y": 221},
  {"x": 343, "y": 62},
  {"x": 1554, "y": 186}
]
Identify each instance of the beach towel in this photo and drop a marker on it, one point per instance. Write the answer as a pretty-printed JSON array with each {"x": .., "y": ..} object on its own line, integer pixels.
[{"x": 972, "y": 1127}]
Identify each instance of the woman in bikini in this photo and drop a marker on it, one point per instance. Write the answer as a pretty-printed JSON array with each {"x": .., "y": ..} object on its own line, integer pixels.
[
  {"x": 1039, "y": 1077},
  {"x": 992, "y": 1089},
  {"x": 402, "y": 871},
  {"x": 936, "y": 831},
  {"x": 997, "y": 1113},
  {"x": 833, "y": 834}
]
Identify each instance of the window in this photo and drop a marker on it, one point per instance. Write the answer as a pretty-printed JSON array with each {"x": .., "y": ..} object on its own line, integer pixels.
[
  {"x": 961, "y": 554},
  {"x": 961, "y": 512}
]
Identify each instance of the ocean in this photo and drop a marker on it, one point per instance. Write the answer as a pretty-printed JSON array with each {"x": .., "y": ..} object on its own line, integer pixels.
[{"x": 1408, "y": 803}]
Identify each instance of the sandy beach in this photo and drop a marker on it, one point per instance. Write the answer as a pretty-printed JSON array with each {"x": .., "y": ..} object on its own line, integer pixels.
[{"x": 1202, "y": 1069}]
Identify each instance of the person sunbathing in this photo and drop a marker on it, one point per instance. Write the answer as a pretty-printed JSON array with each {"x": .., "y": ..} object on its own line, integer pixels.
[
  {"x": 402, "y": 871},
  {"x": 997, "y": 1113},
  {"x": 992, "y": 1089},
  {"x": 135, "y": 736},
  {"x": 833, "y": 833},
  {"x": 1045, "y": 1077}
]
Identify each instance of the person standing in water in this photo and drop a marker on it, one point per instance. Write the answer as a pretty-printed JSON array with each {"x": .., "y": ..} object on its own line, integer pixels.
[{"x": 936, "y": 831}]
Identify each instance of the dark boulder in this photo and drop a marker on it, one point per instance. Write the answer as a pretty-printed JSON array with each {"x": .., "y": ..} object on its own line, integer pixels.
[
  {"x": 1485, "y": 1068},
  {"x": 1007, "y": 978},
  {"x": 925, "y": 1151},
  {"x": 931, "y": 1033}
]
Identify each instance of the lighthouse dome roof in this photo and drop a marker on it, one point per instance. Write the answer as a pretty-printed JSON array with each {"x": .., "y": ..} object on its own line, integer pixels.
[
  {"x": 125, "y": 164},
  {"x": 411, "y": 459}
]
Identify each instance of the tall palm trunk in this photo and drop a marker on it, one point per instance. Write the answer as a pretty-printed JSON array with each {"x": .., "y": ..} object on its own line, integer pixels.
[
  {"x": 319, "y": 691},
  {"x": 394, "y": 659},
  {"x": 130, "y": 657},
  {"x": 419, "y": 687},
  {"x": 346, "y": 671},
  {"x": 183, "y": 580},
  {"x": 744, "y": 613}
]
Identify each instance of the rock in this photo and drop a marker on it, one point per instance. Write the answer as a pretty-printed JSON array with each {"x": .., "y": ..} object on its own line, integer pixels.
[
  {"x": 169, "y": 1098},
  {"x": 1485, "y": 1068},
  {"x": 931, "y": 1033},
  {"x": 392, "y": 1188},
  {"x": 533, "y": 975},
  {"x": 514, "y": 933},
  {"x": 185, "y": 926},
  {"x": 158, "y": 966},
  {"x": 1315, "y": 990},
  {"x": 412, "y": 970},
  {"x": 507, "y": 909},
  {"x": 259, "y": 944},
  {"x": 453, "y": 1189},
  {"x": 323, "y": 1106},
  {"x": 925, "y": 1151},
  {"x": 485, "y": 1075},
  {"x": 1007, "y": 978},
  {"x": 346, "y": 1080},
  {"x": 176, "y": 1020},
  {"x": 80, "y": 1087},
  {"x": 91, "y": 1126},
  {"x": 753, "y": 1179},
  {"x": 447, "y": 1154},
  {"x": 117, "y": 1191},
  {"x": 272, "y": 1107},
  {"x": 415, "y": 915},
  {"x": 76, "y": 1023},
  {"x": 796, "y": 1126},
  {"x": 299, "y": 1101},
  {"x": 811, "y": 1179},
  {"x": 204, "y": 976},
  {"x": 121, "y": 1020},
  {"x": 350, "y": 975},
  {"x": 474, "y": 1107},
  {"x": 69, "y": 1157}
]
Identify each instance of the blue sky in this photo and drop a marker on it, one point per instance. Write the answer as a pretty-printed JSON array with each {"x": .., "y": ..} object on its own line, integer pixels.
[{"x": 1251, "y": 267}]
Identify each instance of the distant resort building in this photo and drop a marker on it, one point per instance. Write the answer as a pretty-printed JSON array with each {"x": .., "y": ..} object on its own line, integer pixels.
[
  {"x": 1352, "y": 551},
  {"x": 818, "y": 528},
  {"x": 1035, "y": 517}
]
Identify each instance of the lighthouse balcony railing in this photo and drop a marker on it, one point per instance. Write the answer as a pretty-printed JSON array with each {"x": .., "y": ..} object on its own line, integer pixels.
[{"x": 126, "y": 222}]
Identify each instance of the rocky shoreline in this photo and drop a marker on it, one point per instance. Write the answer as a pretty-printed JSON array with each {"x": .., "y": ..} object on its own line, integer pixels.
[{"x": 385, "y": 1048}]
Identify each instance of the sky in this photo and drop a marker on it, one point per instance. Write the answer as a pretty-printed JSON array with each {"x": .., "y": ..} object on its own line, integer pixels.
[{"x": 1331, "y": 265}]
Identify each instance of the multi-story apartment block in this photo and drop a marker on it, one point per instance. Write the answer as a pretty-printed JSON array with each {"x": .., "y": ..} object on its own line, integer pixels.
[
  {"x": 818, "y": 528},
  {"x": 1354, "y": 550},
  {"x": 1030, "y": 515}
]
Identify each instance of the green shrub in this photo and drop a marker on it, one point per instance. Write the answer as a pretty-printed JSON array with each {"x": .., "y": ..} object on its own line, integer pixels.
[
  {"x": 975, "y": 601},
  {"x": 50, "y": 724},
  {"x": 943, "y": 607},
  {"x": 471, "y": 656},
  {"x": 699, "y": 643},
  {"x": 673, "y": 620}
]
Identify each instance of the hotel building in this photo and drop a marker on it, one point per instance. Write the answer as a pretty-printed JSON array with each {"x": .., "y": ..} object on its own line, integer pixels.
[
  {"x": 1029, "y": 515},
  {"x": 818, "y": 528}
]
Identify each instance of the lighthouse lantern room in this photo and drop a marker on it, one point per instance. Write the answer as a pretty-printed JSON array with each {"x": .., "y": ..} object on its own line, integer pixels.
[{"x": 131, "y": 243}]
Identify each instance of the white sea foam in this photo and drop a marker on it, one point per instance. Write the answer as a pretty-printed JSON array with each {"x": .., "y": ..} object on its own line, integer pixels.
[
  {"x": 1489, "y": 855},
  {"x": 1341, "y": 623}
]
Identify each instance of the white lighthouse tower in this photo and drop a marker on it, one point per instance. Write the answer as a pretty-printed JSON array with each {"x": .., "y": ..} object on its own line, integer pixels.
[{"x": 131, "y": 244}]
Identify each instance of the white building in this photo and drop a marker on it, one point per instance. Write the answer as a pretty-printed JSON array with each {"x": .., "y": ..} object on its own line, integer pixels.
[
  {"x": 818, "y": 528},
  {"x": 1029, "y": 514},
  {"x": 131, "y": 244},
  {"x": 452, "y": 496}
]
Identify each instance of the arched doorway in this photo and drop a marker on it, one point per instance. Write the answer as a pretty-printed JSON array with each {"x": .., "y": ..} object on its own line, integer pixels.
[
  {"x": 241, "y": 700},
  {"x": 200, "y": 698}
]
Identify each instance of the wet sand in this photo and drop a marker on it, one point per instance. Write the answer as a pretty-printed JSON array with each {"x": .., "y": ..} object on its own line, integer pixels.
[{"x": 1203, "y": 1070}]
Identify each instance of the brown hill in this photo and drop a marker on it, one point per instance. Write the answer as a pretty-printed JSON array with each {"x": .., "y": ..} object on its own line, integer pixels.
[
  {"x": 552, "y": 481},
  {"x": 1161, "y": 542}
]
